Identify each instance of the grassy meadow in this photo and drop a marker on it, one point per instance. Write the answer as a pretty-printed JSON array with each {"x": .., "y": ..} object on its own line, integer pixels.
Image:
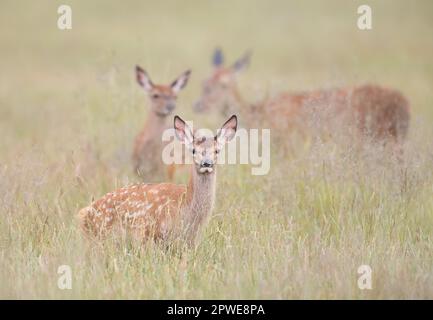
[{"x": 70, "y": 108}]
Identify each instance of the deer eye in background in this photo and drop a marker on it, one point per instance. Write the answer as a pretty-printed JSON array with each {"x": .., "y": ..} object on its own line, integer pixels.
[{"x": 155, "y": 96}]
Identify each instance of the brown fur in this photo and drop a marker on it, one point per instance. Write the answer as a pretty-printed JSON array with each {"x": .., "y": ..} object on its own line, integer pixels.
[{"x": 146, "y": 210}]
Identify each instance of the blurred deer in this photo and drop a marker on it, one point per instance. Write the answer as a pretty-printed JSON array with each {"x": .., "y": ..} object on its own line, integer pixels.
[
  {"x": 148, "y": 143},
  {"x": 219, "y": 91},
  {"x": 375, "y": 111},
  {"x": 165, "y": 211}
]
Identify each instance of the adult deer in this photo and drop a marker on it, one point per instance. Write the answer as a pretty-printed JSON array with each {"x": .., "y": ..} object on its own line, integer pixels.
[
  {"x": 381, "y": 113},
  {"x": 148, "y": 145},
  {"x": 165, "y": 211}
]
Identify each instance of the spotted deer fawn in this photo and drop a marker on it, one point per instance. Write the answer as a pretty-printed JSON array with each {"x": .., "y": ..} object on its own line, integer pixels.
[
  {"x": 378, "y": 112},
  {"x": 165, "y": 211},
  {"x": 148, "y": 145}
]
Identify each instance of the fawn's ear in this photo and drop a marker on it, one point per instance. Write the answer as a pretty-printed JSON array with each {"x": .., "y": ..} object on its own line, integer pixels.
[
  {"x": 242, "y": 62},
  {"x": 143, "y": 78},
  {"x": 181, "y": 81},
  {"x": 183, "y": 131},
  {"x": 227, "y": 131},
  {"x": 217, "y": 58}
]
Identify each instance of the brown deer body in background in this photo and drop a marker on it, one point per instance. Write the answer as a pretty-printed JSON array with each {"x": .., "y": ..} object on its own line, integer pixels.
[
  {"x": 164, "y": 211},
  {"x": 374, "y": 111},
  {"x": 148, "y": 144}
]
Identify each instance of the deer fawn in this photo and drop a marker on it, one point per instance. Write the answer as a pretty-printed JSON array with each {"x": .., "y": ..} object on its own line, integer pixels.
[
  {"x": 148, "y": 144},
  {"x": 165, "y": 211},
  {"x": 381, "y": 113}
]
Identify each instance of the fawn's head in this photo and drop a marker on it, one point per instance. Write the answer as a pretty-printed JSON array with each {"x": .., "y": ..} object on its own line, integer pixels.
[
  {"x": 204, "y": 146},
  {"x": 219, "y": 89},
  {"x": 162, "y": 97}
]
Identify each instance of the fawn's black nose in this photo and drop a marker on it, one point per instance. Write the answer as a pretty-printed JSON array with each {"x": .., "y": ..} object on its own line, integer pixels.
[{"x": 207, "y": 163}]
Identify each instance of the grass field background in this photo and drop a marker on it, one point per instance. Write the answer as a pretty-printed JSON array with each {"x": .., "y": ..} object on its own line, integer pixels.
[{"x": 70, "y": 108}]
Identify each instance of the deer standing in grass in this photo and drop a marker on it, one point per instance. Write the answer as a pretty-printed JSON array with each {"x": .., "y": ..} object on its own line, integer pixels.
[
  {"x": 165, "y": 211},
  {"x": 148, "y": 145},
  {"x": 374, "y": 111}
]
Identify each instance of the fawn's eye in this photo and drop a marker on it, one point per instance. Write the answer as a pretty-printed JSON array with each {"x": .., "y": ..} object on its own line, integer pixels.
[
  {"x": 155, "y": 96},
  {"x": 193, "y": 151},
  {"x": 217, "y": 151}
]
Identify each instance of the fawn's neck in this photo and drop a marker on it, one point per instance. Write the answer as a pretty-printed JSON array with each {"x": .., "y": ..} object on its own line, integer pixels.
[{"x": 200, "y": 199}]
